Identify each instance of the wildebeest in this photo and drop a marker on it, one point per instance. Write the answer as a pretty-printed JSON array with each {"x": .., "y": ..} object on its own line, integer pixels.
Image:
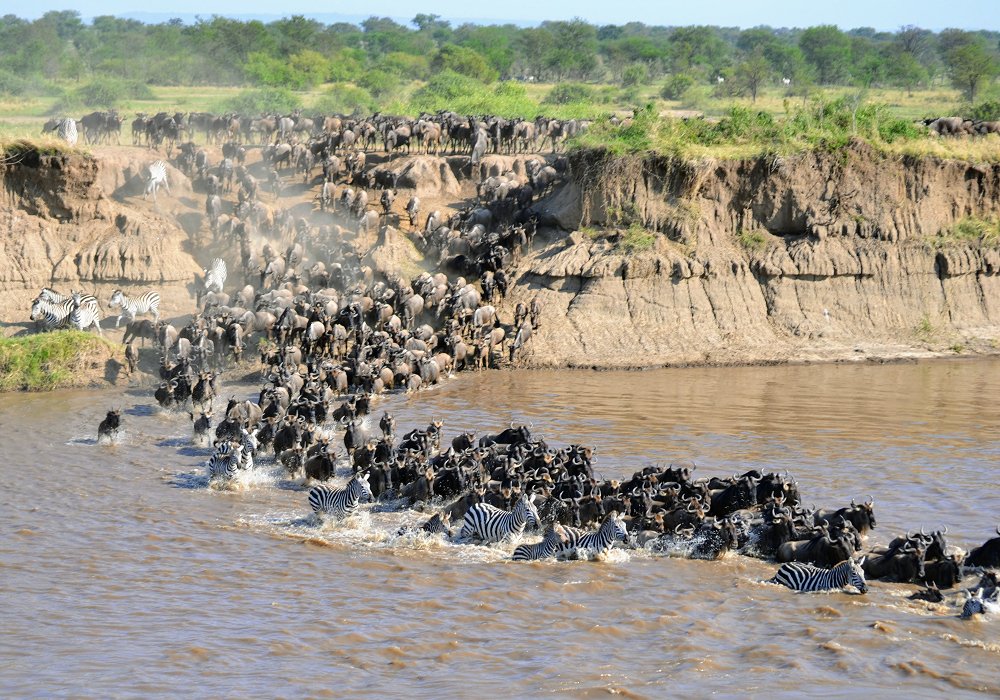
[
  {"x": 110, "y": 427},
  {"x": 987, "y": 554}
]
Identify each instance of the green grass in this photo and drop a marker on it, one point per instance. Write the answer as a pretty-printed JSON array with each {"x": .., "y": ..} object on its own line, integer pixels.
[
  {"x": 751, "y": 240},
  {"x": 971, "y": 229},
  {"x": 636, "y": 239},
  {"x": 48, "y": 361}
]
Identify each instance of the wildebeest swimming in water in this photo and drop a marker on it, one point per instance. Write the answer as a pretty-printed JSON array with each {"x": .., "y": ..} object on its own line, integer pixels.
[{"x": 110, "y": 428}]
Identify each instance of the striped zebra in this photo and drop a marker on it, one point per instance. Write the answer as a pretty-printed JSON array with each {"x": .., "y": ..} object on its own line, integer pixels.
[
  {"x": 590, "y": 544},
  {"x": 977, "y": 605},
  {"x": 55, "y": 297},
  {"x": 145, "y": 303},
  {"x": 491, "y": 524},
  {"x": 807, "y": 578},
  {"x": 249, "y": 443},
  {"x": 49, "y": 315},
  {"x": 157, "y": 178},
  {"x": 215, "y": 276},
  {"x": 83, "y": 316},
  {"x": 64, "y": 128},
  {"x": 340, "y": 502},
  {"x": 554, "y": 537},
  {"x": 225, "y": 461}
]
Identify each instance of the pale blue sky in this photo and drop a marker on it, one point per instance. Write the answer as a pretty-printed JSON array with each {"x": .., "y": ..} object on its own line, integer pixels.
[{"x": 881, "y": 14}]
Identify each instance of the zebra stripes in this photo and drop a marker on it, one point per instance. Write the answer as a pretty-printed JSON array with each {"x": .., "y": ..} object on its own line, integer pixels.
[
  {"x": 491, "y": 524},
  {"x": 145, "y": 303},
  {"x": 67, "y": 131},
  {"x": 83, "y": 316},
  {"x": 555, "y": 535},
  {"x": 594, "y": 543},
  {"x": 225, "y": 461},
  {"x": 249, "y": 445},
  {"x": 977, "y": 605},
  {"x": 157, "y": 178},
  {"x": 49, "y": 315},
  {"x": 215, "y": 276},
  {"x": 340, "y": 502},
  {"x": 807, "y": 578}
]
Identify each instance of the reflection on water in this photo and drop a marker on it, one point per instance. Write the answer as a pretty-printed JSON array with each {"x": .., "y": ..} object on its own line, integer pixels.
[{"x": 123, "y": 574}]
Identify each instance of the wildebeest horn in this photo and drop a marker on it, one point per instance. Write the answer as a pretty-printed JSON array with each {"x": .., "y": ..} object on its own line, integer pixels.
[
  {"x": 512, "y": 425},
  {"x": 909, "y": 534},
  {"x": 870, "y": 501},
  {"x": 944, "y": 530},
  {"x": 924, "y": 534},
  {"x": 998, "y": 529}
]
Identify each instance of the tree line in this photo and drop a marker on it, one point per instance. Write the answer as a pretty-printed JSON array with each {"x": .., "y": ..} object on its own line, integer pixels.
[{"x": 380, "y": 54}]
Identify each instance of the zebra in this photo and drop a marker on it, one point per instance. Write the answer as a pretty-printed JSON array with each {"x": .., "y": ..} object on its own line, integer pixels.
[
  {"x": 594, "y": 543},
  {"x": 977, "y": 605},
  {"x": 340, "y": 502},
  {"x": 807, "y": 578},
  {"x": 249, "y": 443},
  {"x": 82, "y": 316},
  {"x": 157, "y": 178},
  {"x": 225, "y": 460},
  {"x": 55, "y": 297},
  {"x": 64, "y": 128},
  {"x": 490, "y": 524},
  {"x": 145, "y": 303},
  {"x": 215, "y": 276},
  {"x": 49, "y": 315},
  {"x": 555, "y": 536}
]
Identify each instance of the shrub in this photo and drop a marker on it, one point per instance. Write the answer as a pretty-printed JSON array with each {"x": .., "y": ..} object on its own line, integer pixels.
[
  {"x": 262, "y": 101},
  {"x": 636, "y": 74},
  {"x": 565, "y": 93},
  {"x": 345, "y": 99},
  {"x": 676, "y": 85},
  {"x": 378, "y": 82},
  {"x": 987, "y": 111}
]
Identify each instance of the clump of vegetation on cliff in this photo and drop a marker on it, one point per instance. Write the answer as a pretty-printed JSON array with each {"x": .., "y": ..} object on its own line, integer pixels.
[
  {"x": 746, "y": 132},
  {"x": 52, "y": 360},
  {"x": 971, "y": 229}
]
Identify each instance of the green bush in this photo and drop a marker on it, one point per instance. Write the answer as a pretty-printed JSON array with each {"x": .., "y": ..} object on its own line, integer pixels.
[
  {"x": 565, "y": 93},
  {"x": 378, "y": 82},
  {"x": 636, "y": 74},
  {"x": 345, "y": 99},
  {"x": 50, "y": 360},
  {"x": 676, "y": 85},
  {"x": 262, "y": 101},
  {"x": 106, "y": 93},
  {"x": 987, "y": 111}
]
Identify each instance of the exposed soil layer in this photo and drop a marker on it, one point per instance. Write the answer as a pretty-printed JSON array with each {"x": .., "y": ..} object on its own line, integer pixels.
[{"x": 821, "y": 256}]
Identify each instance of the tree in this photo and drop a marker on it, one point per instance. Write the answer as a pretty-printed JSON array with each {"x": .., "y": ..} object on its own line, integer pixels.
[
  {"x": 970, "y": 64},
  {"x": 463, "y": 61},
  {"x": 752, "y": 71},
  {"x": 829, "y": 50}
]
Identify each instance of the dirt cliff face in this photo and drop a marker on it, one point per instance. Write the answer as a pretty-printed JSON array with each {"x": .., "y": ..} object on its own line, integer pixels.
[
  {"x": 79, "y": 222},
  {"x": 819, "y": 256}
]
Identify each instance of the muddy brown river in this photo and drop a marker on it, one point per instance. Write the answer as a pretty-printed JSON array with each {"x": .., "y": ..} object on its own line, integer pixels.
[{"x": 123, "y": 575}]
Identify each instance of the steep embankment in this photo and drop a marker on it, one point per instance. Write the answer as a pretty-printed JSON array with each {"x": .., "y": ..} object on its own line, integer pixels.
[
  {"x": 817, "y": 256},
  {"x": 73, "y": 221}
]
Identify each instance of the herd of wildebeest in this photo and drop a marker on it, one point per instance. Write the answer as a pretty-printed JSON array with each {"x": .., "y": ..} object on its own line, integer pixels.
[{"x": 335, "y": 335}]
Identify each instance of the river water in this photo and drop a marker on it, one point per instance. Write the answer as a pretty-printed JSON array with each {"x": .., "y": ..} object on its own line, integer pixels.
[{"x": 123, "y": 575}]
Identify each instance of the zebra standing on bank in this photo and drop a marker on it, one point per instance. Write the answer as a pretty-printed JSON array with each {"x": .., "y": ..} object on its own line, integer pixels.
[
  {"x": 215, "y": 276},
  {"x": 340, "y": 502},
  {"x": 591, "y": 544},
  {"x": 145, "y": 303},
  {"x": 491, "y": 524},
  {"x": 225, "y": 461},
  {"x": 82, "y": 315},
  {"x": 555, "y": 535},
  {"x": 806, "y": 578},
  {"x": 64, "y": 128},
  {"x": 157, "y": 178},
  {"x": 49, "y": 315}
]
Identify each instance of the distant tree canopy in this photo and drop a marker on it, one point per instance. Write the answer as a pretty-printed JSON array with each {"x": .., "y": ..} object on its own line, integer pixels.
[{"x": 380, "y": 54}]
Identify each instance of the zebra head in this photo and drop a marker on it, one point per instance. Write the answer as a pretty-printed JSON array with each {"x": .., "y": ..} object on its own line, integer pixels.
[
  {"x": 76, "y": 298},
  {"x": 856, "y": 575},
  {"x": 366, "y": 489},
  {"x": 37, "y": 313},
  {"x": 116, "y": 298},
  {"x": 975, "y": 604},
  {"x": 615, "y": 526},
  {"x": 527, "y": 506}
]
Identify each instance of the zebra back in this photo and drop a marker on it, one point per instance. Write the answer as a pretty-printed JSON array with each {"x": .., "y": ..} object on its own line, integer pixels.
[
  {"x": 215, "y": 275},
  {"x": 144, "y": 303},
  {"x": 158, "y": 171},
  {"x": 340, "y": 502},
  {"x": 808, "y": 578},
  {"x": 977, "y": 605},
  {"x": 555, "y": 535},
  {"x": 225, "y": 460},
  {"x": 68, "y": 131}
]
